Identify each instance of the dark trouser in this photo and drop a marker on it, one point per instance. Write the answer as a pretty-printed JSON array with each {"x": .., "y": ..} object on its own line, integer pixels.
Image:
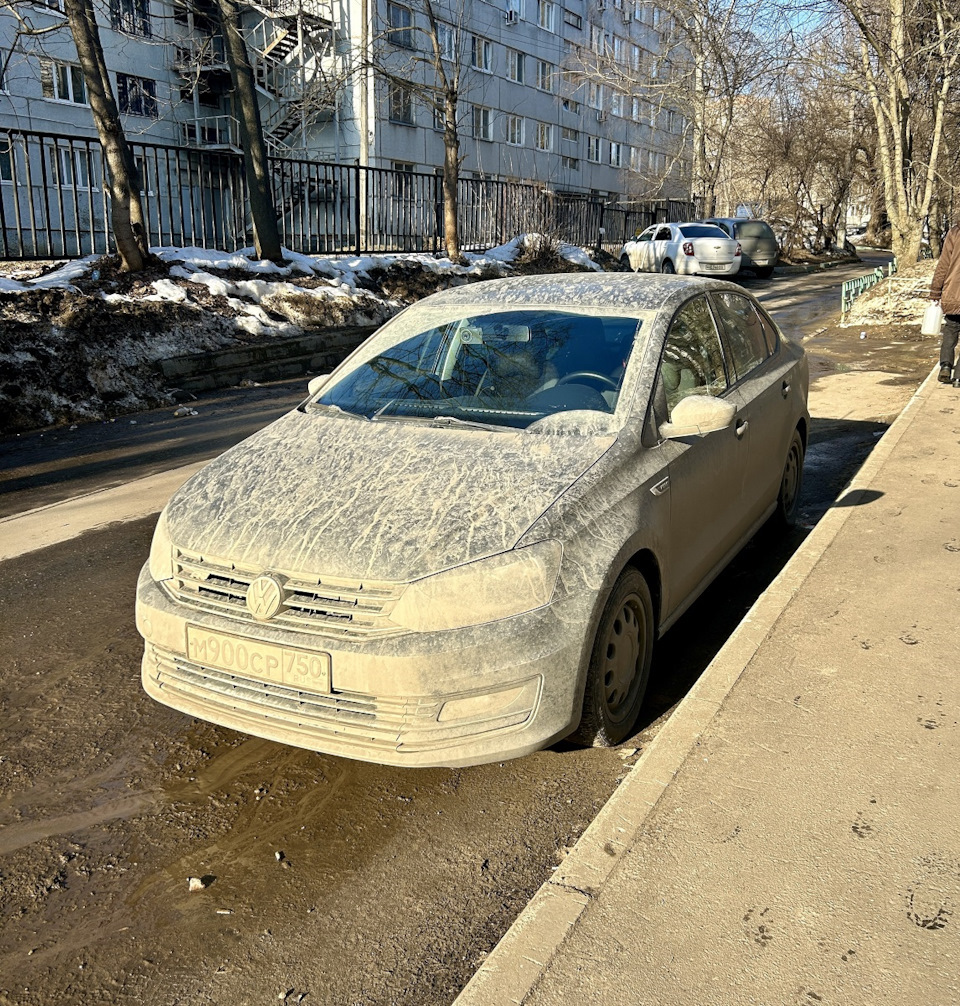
[{"x": 949, "y": 335}]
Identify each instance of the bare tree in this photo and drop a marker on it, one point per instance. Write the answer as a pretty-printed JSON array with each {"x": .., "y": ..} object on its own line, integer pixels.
[
  {"x": 704, "y": 56},
  {"x": 903, "y": 56},
  {"x": 423, "y": 61},
  {"x": 126, "y": 209},
  {"x": 265, "y": 231}
]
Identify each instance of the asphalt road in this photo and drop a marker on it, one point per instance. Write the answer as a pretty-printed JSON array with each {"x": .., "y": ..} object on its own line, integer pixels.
[{"x": 347, "y": 882}]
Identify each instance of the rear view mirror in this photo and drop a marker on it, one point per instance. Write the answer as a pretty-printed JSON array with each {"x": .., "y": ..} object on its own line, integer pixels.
[
  {"x": 698, "y": 415},
  {"x": 316, "y": 383}
]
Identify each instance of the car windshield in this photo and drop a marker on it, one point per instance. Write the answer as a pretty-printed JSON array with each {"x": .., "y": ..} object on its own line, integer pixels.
[
  {"x": 701, "y": 231},
  {"x": 754, "y": 229},
  {"x": 501, "y": 369}
]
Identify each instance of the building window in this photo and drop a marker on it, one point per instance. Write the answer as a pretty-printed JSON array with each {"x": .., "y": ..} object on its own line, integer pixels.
[
  {"x": 570, "y": 163},
  {"x": 546, "y": 14},
  {"x": 593, "y": 149},
  {"x": 70, "y": 167},
  {"x": 481, "y": 53},
  {"x": 447, "y": 42},
  {"x": 569, "y": 105},
  {"x": 595, "y": 95},
  {"x": 545, "y": 75},
  {"x": 400, "y": 21},
  {"x": 137, "y": 95},
  {"x": 544, "y": 136},
  {"x": 636, "y": 58},
  {"x": 131, "y": 16},
  {"x": 619, "y": 50},
  {"x": 4, "y": 56},
  {"x": 573, "y": 20},
  {"x": 569, "y": 135},
  {"x": 616, "y": 154},
  {"x": 616, "y": 104},
  {"x": 400, "y": 100},
  {"x": 515, "y": 66},
  {"x": 515, "y": 130},
  {"x": 6, "y": 161},
  {"x": 438, "y": 123},
  {"x": 482, "y": 123},
  {"x": 62, "y": 82},
  {"x": 635, "y": 109}
]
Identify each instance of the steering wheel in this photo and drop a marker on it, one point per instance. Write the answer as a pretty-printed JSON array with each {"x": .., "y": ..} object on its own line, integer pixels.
[{"x": 608, "y": 381}]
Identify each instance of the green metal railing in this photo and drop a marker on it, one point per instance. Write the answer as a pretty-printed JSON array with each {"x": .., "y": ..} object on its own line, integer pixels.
[{"x": 854, "y": 287}]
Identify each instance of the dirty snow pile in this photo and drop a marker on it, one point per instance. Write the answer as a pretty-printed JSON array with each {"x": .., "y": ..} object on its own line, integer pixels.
[
  {"x": 900, "y": 299},
  {"x": 82, "y": 340}
]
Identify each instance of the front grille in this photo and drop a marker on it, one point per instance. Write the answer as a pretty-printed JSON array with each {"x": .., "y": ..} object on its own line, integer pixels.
[
  {"x": 350, "y": 716},
  {"x": 327, "y": 606}
]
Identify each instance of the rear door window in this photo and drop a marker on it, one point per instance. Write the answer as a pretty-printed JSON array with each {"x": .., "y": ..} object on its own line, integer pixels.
[{"x": 743, "y": 332}]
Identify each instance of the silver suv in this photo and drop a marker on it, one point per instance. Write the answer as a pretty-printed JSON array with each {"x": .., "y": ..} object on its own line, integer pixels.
[{"x": 757, "y": 241}]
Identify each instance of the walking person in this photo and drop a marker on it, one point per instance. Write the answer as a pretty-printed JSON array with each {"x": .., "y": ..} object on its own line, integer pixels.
[{"x": 945, "y": 288}]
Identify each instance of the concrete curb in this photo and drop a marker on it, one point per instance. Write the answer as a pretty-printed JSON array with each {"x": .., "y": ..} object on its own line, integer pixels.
[{"x": 535, "y": 939}]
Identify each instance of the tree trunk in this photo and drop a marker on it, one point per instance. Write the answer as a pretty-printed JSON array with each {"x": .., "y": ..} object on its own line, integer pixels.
[
  {"x": 451, "y": 176},
  {"x": 265, "y": 232},
  {"x": 126, "y": 210}
]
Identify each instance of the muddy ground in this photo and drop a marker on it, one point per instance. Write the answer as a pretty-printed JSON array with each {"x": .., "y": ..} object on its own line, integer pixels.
[{"x": 319, "y": 879}]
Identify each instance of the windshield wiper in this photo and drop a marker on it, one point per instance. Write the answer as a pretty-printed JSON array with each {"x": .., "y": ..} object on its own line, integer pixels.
[
  {"x": 471, "y": 423},
  {"x": 338, "y": 410}
]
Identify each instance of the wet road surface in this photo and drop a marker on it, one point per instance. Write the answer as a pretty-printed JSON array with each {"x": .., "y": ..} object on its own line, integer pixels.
[{"x": 347, "y": 882}]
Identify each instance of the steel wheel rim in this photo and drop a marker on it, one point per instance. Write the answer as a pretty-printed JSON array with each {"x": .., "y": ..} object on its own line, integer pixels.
[
  {"x": 623, "y": 649},
  {"x": 791, "y": 479}
]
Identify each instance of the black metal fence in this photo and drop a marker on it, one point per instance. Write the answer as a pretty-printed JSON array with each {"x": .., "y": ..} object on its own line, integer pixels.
[{"x": 54, "y": 204}]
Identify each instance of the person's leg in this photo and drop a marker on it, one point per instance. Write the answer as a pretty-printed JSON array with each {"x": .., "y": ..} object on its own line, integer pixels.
[{"x": 948, "y": 343}]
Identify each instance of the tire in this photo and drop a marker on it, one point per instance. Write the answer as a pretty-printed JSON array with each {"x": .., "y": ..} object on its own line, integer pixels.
[
  {"x": 625, "y": 264},
  {"x": 765, "y": 272},
  {"x": 791, "y": 482},
  {"x": 620, "y": 662},
  {"x": 667, "y": 266}
]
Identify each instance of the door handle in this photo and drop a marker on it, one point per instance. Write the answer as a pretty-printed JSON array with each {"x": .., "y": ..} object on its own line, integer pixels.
[
  {"x": 785, "y": 389},
  {"x": 741, "y": 429}
]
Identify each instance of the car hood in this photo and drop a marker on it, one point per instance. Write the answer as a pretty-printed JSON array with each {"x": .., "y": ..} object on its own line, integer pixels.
[{"x": 389, "y": 501}]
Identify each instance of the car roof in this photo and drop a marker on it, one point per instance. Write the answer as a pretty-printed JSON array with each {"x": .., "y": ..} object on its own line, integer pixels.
[{"x": 611, "y": 291}]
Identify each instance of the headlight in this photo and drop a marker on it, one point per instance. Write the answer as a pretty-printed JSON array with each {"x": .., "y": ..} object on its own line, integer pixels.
[
  {"x": 482, "y": 591},
  {"x": 161, "y": 551}
]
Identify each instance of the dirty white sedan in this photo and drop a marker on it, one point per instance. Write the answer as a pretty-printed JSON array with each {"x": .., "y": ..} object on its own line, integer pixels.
[
  {"x": 463, "y": 545},
  {"x": 687, "y": 249}
]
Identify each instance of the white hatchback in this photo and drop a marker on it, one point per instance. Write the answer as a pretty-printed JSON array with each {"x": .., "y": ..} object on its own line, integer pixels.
[{"x": 688, "y": 249}]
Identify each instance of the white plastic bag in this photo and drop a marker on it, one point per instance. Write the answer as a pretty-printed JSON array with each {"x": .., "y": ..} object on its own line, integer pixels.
[{"x": 932, "y": 319}]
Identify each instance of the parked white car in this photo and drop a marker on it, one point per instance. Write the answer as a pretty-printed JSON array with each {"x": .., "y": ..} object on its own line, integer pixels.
[
  {"x": 462, "y": 546},
  {"x": 688, "y": 249}
]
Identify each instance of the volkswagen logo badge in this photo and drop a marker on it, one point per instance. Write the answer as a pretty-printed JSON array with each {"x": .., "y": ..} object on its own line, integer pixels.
[{"x": 265, "y": 596}]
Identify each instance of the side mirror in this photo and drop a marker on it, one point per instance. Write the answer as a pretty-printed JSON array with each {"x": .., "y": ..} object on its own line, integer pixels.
[
  {"x": 316, "y": 383},
  {"x": 698, "y": 415}
]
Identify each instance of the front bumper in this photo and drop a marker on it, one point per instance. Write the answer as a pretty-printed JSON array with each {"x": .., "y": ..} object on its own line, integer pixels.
[{"x": 459, "y": 697}]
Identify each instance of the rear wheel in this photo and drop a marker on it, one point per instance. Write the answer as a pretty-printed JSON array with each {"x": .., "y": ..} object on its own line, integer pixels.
[
  {"x": 791, "y": 480},
  {"x": 625, "y": 264},
  {"x": 667, "y": 266},
  {"x": 765, "y": 272},
  {"x": 619, "y": 663}
]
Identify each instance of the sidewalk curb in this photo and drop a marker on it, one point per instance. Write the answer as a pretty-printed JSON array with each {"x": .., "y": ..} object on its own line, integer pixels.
[{"x": 525, "y": 952}]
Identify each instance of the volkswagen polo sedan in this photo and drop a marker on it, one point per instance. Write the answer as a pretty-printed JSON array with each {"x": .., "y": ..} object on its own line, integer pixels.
[{"x": 463, "y": 544}]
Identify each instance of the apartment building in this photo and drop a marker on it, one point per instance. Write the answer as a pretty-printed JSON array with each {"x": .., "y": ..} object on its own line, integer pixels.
[{"x": 350, "y": 81}]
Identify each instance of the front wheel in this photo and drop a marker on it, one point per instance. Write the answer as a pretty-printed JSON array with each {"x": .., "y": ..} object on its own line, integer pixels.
[
  {"x": 791, "y": 480},
  {"x": 619, "y": 663},
  {"x": 625, "y": 264},
  {"x": 667, "y": 266}
]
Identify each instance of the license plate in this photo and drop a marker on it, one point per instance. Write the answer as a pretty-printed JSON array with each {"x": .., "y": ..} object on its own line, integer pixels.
[
  {"x": 253, "y": 658},
  {"x": 714, "y": 266}
]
